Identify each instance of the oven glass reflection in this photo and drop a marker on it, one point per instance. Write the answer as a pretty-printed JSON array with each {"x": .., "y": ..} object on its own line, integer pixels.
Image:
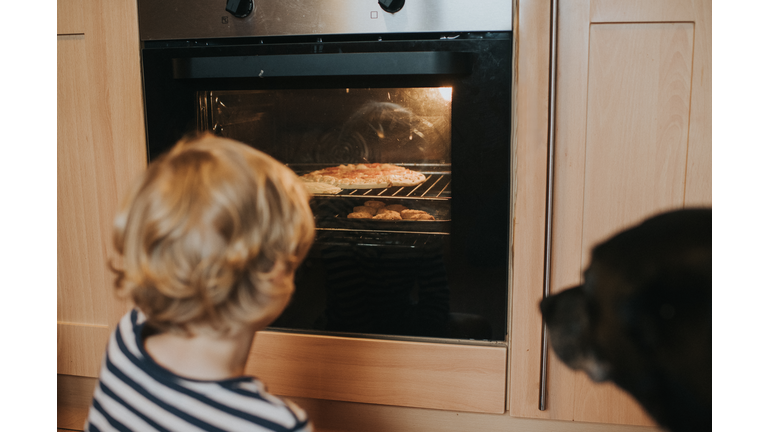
[{"x": 365, "y": 276}]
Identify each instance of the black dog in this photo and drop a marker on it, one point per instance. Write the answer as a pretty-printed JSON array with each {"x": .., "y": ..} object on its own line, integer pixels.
[{"x": 643, "y": 317}]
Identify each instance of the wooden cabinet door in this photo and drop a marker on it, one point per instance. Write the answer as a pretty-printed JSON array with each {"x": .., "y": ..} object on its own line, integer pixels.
[
  {"x": 632, "y": 138},
  {"x": 100, "y": 150}
]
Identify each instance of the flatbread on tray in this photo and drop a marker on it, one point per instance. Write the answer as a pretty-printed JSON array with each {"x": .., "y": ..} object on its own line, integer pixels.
[
  {"x": 315, "y": 187},
  {"x": 366, "y": 176}
]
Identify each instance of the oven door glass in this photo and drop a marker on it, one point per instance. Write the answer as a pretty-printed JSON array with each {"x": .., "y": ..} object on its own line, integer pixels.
[
  {"x": 367, "y": 275},
  {"x": 441, "y": 275}
]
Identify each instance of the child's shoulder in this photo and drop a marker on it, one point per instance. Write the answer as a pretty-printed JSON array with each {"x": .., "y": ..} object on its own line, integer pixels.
[{"x": 249, "y": 399}]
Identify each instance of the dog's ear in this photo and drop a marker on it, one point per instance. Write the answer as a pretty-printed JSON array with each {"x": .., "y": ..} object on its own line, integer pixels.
[
  {"x": 667, "y": 306},
  {"x": 665, "y": 264}
]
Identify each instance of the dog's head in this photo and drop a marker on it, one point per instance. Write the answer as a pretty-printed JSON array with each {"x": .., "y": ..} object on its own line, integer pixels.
[{"x": 643, "y": 317}]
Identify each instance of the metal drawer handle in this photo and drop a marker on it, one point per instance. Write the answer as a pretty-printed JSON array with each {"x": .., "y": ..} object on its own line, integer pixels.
[{"x": 550, "y": 188}]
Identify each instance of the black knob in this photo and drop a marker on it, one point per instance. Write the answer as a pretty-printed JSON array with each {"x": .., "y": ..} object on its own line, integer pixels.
[
  {"x": 391, "y": 6},
  {"x": 240, "y": 8}
]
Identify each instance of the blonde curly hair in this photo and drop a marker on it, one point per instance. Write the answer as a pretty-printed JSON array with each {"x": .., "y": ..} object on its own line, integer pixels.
[{"x": 205, "y": 233}]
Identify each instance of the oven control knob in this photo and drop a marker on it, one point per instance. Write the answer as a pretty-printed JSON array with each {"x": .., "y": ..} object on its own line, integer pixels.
[
  {"x": 391, "y": 6},
  {"x": 240, "y": 8}
]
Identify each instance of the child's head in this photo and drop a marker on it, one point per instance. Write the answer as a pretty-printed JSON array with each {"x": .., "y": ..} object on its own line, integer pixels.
[{"x": 211, "y": 235}]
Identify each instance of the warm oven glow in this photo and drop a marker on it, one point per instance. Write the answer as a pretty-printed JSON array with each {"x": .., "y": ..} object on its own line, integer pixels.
[{"x": 446, "y": 93}]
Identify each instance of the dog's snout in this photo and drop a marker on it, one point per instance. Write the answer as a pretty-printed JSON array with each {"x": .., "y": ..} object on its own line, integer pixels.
[
  {"x": 549, "y": 305},
  {"x": 545, "y": 305}
]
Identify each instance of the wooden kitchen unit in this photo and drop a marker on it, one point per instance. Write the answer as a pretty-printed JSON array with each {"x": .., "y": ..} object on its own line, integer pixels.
[
  {"x": 100, "y": 137},
  {"x": 633, "y": 137}
]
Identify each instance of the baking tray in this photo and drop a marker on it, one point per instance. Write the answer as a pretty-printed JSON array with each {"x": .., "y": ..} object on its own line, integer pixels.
[{"x": 332, "y": 213}]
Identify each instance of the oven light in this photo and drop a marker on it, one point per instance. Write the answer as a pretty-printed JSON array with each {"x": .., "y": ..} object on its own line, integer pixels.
[{"x": 446, "y": 93}]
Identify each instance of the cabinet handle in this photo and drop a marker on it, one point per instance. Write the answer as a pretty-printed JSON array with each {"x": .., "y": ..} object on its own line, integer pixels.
[{"x": 550, "y": 187}]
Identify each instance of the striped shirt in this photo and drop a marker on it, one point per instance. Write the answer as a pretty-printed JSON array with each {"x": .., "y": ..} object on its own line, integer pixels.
[{"x": 136, "y": 394}]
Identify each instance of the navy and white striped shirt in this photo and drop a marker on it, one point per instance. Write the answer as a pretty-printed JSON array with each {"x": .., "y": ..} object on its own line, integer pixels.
[{"x": 136, "y": 394}]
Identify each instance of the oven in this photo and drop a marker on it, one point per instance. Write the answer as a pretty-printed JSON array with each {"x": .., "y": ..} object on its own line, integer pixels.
[{"x": 421, "y": 84}]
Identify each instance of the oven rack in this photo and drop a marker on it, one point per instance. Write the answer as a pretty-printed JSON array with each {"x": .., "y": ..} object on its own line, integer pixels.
[
  {"x": 357, "y": 238},
  {"x": 437, "y": 186}
]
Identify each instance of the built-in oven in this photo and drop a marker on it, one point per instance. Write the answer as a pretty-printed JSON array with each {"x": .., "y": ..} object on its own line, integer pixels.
[{"x": 421, "y": 84}]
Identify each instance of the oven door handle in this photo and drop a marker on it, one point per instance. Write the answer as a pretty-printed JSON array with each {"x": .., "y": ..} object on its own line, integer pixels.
[{"x": 315, "y": 65}]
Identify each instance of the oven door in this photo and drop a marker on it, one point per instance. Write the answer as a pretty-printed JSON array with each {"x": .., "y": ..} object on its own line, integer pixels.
[{"x": 441, "y": 107}]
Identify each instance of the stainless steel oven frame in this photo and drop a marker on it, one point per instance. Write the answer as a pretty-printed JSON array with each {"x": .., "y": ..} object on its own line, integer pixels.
[
  {"x": 206, "y": 19},
  {"x": 333, "y": 45}
]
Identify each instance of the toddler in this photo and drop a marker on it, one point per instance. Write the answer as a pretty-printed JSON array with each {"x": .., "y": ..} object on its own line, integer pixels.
[{"x": 209, "y": 239}]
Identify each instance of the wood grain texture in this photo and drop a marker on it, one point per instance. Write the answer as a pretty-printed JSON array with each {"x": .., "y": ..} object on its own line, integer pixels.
[
  {"x": 529, "y": 189},
  {"x": 333, "y": 416},
  {"x": 70, "y": 17},
  {"x": 698, "y": 183},
  {"x": 698, "y": 177},
  {"x": 570, "y": 152},
  {"x": 602, "y": 11},
  {"x": 101, "y": 149},
  {"x": 427, "y": 375},
  {"x": 73, "y": 399},
  {"x": 83, "y": 280},
  {"x": 635, "y": 168},
  {"x": 80, "y": 348},
  {"x": 624, "y": 147}
]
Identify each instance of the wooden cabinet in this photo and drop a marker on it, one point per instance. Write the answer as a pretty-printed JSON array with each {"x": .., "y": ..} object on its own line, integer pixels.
[
  {"x": 632, "y": 138},
  {"x": 101, "y": 148}
]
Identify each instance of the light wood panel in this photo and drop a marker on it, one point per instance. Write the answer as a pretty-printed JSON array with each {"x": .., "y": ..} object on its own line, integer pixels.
[
  {"x": 80, "y": 348},
  {"x": 427, "y": 375},
  {"x": 698, "y": 176},
  {"x": 602, "y": 11},
  {"x": 331, "y": 416},
  {"x": 74, "y": 396},
  {"x": 637, "y": 124},
  {"x": 83, "y": 280},
  {"x": 100, "y": 150},
  {"x": 529, "y": 186},
  {"x": 70, "y": 17},
  {"x": 335, "y": 416},
  {"x": 570, "y": 152},
  {"x": 698, "y": 184},
  {"x": 633, "y": 138}
]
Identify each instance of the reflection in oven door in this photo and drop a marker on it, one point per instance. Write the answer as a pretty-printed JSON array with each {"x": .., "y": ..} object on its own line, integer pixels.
[
  {"x": 334, "y": 126},
  {"x": 381, "y": 276}
]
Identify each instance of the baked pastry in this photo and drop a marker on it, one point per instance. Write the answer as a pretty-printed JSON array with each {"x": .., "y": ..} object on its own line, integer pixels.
[
  {"x": 396, "y": 207},
  {"x": 365, "y": 209},
  {"x": 409, "y": 214},
  {"x": 359, "y": 215},
  {"x": 384, "y": 214}
]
